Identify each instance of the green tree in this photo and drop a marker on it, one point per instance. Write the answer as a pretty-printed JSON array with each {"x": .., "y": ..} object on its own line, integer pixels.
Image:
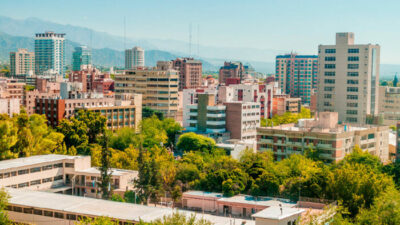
[
  {"x": 94, "y": 121},
  {"x": 172, "y": 128},
  {"x": 384, "y": 211},
  {"x": 117, "y": 198},
  {"x": 105, "y": 170},
  {"x": 178, "y": 218},
  {"x": 123, "y": 138},
  {"x": 98, "y": 221},
  {"x": 148, "y": 112},
  {"x": 152, "y": 133},
  {"x": 395, "y": 80},
  {"x": 3, "y": 205},
  {"x": 191, "y": 141}
]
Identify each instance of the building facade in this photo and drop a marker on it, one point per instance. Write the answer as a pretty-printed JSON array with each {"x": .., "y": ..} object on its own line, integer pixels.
[
  {"x": 332, "y": 140},
  {"x": 9, "y": 106},
  {"x": 297, "y": 75},
  {"x": 81, "y": 57},
  {"x": 242, "y": 119},
  {"x": 134, "y": 58},
  {"x": 389, "y": 104},
  {"x": 190, "y": 72},
  {"x": 158, "y": 86},
  {"x": 284, "y": 103},
  {"x": 207, "y": 118},
  {"x": 231, "y": 70},
  {"x": 12, "y": 89},
  {"x": 49, "y": 53},
  {"x": 22, "y": 63},
  {"x": 348, "y": 79}
]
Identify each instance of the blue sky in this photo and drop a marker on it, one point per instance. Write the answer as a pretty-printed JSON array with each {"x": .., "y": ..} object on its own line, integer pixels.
[{"x": 298, "y": 25}]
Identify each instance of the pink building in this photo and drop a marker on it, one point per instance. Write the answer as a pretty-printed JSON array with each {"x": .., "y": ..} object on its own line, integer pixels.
[{"x": 190, "y": 72}]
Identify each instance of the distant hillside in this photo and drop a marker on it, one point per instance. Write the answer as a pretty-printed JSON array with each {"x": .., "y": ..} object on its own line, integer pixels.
[{"x": 103, "y": 57}]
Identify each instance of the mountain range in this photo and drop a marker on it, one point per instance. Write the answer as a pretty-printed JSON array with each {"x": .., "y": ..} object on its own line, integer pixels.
[{"x": 107, "y": 49}]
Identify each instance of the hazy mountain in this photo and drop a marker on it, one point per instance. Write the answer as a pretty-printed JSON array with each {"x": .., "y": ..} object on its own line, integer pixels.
[{"x": 103, "y": 57}]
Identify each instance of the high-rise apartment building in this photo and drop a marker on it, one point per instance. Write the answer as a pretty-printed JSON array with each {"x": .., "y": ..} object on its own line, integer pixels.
[
  {"x": 389, "y": 104},
  {"x": 159, "y": 87},
  {"x": 297, "y": 75},
  {"x": 348, "y": 79},
  {"x": 231, "y": 70},
  {"x": 134, "y": 58},
  {"x": 49, "y": 53},
  {"x": 22, "y": 63},
  {"x": 190, "y": 72},
  {"x": 82, "y": 56}
]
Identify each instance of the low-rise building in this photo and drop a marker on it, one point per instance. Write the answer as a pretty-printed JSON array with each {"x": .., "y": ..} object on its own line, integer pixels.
[
  {"x": 61, "y": 173},
  {"x": 332, "y": 140},
  {"x": 11, "y": 89}
]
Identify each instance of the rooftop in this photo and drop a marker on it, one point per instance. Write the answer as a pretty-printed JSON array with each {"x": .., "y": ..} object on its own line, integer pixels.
[
  {"x": 32, "y": 160},
  {"x": 98, "y": 207},
  {"x": 114, "y": 171},
  {"x": 263, "y": 201},
  {"x": 204, "y": 194},
  {"x": 274, "y": 212}
]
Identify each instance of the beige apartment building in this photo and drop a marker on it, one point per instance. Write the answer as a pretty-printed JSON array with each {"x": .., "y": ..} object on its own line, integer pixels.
[
  {"x": 389, "y": 104},
  {"x": 348, "y": 79},
  {"x": 158, "y": 86},
  {"x": 60, "y": 174},
  {"x": 333, "y": 140},
  {"x": 22, "y": 63}
]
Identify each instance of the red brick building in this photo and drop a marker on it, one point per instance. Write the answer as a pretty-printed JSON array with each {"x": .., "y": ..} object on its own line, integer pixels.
[
  {"x": 190, "y": 72},
  {"x": 231, "y": 70}
]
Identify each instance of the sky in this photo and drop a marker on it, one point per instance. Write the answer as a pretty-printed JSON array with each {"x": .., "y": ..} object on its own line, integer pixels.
[{"x": 290, "y": 25}]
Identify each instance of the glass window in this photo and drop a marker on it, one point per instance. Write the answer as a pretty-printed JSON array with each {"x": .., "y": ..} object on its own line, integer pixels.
[{"x": 330, "y": 51}]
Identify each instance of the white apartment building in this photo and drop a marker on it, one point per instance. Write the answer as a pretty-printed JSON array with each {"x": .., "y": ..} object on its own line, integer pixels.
[
  {"x": 242, "y": 119},
  {"x": 61, "y": 174},
  {"x": 134, "y": 58},
  {"x": 348, "y": 79},
  {"x": 389, "y": 104}
]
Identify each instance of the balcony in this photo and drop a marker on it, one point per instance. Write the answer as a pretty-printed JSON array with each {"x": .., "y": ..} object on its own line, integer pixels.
[
  {"x": 192, "y": 121},
  {"x": 221, "y": 130},
  {"x": 193, "y": 114},
  {"x": 222, "y": 122},
  {"x": 216, "y": 115}
]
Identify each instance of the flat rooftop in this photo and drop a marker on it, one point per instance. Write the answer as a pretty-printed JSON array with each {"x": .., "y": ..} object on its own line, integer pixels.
[
  {"x": 114, "y": 171},
  {"x": 32, "y": 160},
  {"x": 262, "y": 201},
  {"x": 274, "y": 212},
  {"x": 98, "y": 207},
  {"x": 204, "y": 194}
]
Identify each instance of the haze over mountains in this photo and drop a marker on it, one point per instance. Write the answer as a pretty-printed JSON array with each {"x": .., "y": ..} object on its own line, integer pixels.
[{"x": 108, "y": 48}]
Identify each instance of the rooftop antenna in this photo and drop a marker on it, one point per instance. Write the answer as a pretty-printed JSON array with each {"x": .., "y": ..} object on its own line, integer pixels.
[
  {"x": 124, "y": 32},
  {"x": 198, "y": 40},
  {"x": 190, "y": 39}
]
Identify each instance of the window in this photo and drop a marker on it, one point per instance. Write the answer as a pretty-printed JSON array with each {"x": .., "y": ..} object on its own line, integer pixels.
[
  {"x": 26, "y": 184},
  {"x": 6, "y": 175},
  {"x": 60, "y": 177},
  {"x": 28, "y": 210},
  {"x": 21, "y": 172},
  {"x": 352, "y": 66},
  {"x": 48, "y": 167},
  {"x": 352, "y": 97},
  {"x": 69, "y": 165},
  {"x": 36, "y": 169},
  {"x": 35, "y": 182},
  {"x": 330, "y": 73},
  {"x": 330, "y": 58},
  {"x": 37, "y": 212},
  {"x": 14, "y": 173},
  {"x": 353, "y": 50},
  {"x": 330, "y": 66},
  {"x": 352, "y": 81},
  {"x": 327, "y": 104},
  {"x": 330, "y": 51},
  {"x": 329, "y": 88},
  {"x": 352, "y": 74},
  {"x": 329, "y": 81},
  {"x": 327, "y": 96},
  {"x": 351, "y": 119},
  {"x": 371, "y": 136},
  {"x": 352, "y": 89},
  {"x": 351, "y": 112},
  {"x": 59, "y": 215},
  {"x": 58, "y": 165},
  {"x": 353, "y": 59},
  {"x": 48, "y": 213},
  {"x": 17, "y": 209},
  {"x": 352, "y": 104},
  {"x": 71, "y": 217},
  {"x": 46, "y": 180}
]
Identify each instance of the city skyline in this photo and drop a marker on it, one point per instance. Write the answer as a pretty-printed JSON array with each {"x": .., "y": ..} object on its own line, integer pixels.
[{"x": 271, "y": 25}]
